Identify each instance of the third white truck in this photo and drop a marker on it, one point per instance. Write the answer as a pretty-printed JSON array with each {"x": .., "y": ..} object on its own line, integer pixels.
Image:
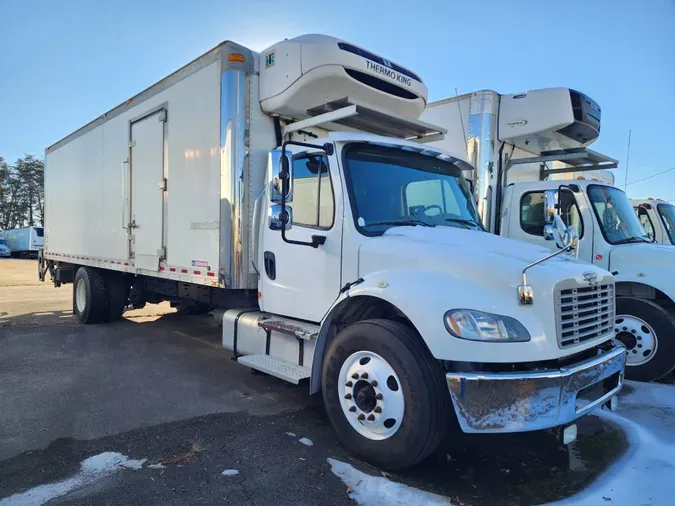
[
  {"x": 296, "y": 189},
  {"x": 532, "y": 162},
  {"x": 657, "y": 218}
]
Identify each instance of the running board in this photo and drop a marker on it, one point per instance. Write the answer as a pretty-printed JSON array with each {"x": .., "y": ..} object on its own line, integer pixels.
[
  {"x": 275, "y": 367},
  {"x": 294, "y": 328}
]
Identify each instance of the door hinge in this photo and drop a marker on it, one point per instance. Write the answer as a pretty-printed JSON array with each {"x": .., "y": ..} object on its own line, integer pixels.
[
  {"x": 162, "y": 116},
  {"x": 162, "y": 185},
  {"x": 132, "y": 144},
  {"x": 161, "y": 252}
]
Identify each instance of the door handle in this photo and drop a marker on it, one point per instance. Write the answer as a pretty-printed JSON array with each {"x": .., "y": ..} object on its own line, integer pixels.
[{"x": 270, "y": 265}]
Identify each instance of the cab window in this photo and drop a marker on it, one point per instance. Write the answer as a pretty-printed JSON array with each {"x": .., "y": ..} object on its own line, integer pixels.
[
  {"x": 313, "y": 204},
  {"x": 532, "y": 219},
  {"x": 646, "y": 222}
]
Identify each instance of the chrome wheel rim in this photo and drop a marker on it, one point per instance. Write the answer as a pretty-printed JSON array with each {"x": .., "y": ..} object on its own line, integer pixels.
[
  {"x": 638, "y": 337},
  {"x": 80, "y": 295},
  {"x": 371, "y": 395}
]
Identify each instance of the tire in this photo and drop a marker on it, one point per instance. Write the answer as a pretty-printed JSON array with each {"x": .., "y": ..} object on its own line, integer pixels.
[
  {"x": 89, "y": 305},
  {"x": 645, "y": 328},
  {"x": 426, "y": 402},
  {"x": 117, "y": 296}
]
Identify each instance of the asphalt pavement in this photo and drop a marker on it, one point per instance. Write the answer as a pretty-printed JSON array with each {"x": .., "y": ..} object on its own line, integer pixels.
[{"x": 158, "y": 386}]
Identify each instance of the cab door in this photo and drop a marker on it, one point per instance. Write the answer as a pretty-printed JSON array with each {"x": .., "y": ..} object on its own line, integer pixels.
[
  {"x": 298, "y": 280},
  {"x": 527, "y": 218}
]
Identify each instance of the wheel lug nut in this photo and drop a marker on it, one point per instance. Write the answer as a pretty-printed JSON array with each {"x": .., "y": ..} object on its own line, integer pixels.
[
  {"x": 378, "y": 397},
  {"x": 634, "y": 351},
  {"x": 371, "y": 418},
  {"x": 639, "y": 338},
  {"x": 348, "y": 396},
  {"x": 349, "y": 384},
  {"x": 355, "y": 376},
  {"x": 633, "y": 331},
  {"x": 362, "y": 417},
  {"x": 625, "y": 328},
  {"x": 378, "y": 409},
  {"x": 373, "y": 383},
  {"x": 639, "y": 346},
  {"x": 352, "y": 409},
  {"x": 364, "y": 376}
]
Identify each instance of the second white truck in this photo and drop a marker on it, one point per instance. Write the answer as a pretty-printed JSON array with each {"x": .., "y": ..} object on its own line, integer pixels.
[
  {"x": 532, "y": 162},
  {"x": 296, "y": 189}
]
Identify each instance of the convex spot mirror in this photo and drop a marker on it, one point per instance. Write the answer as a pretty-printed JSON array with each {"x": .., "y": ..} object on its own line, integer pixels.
[{"x": 278, "y": 185}]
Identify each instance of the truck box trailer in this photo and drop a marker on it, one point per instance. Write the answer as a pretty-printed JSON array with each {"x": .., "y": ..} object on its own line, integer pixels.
[
  {"x": 24, "y": 242},
  {"x": 657, "y": 217},
  {"x": 296, "y": 190},
  {"x": 532, "y": 158}
]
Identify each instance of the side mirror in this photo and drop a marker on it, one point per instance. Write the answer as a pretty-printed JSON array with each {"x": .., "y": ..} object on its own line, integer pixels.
[
  {"x": 550, "y": 206},
  {"x": 276, "y": 218},
  {"x": 281, "y": 175},
  {"x": 563, "y": 236}
]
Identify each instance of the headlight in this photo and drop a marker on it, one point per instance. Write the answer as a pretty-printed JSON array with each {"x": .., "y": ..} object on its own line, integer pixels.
[{"x": 479, "y": 326}]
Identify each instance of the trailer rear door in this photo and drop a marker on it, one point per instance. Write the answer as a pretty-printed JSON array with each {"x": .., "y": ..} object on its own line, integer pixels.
[{"x": 148, "y": 186}]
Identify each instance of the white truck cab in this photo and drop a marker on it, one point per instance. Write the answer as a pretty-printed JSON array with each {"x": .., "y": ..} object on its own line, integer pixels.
[
  {"x": 657, "y": 217},
  {"x": 342, "y": 248},
  {"x": 532, "y": 160}
]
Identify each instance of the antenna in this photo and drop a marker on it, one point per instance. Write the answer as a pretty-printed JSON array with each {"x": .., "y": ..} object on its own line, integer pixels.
[
  {"x": 625, "y": 182},
  {"x": 466, "y": 143}
]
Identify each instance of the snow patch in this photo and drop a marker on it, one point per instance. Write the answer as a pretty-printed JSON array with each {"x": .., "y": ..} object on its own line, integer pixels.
[
  {"x": 290, "y": 434},
  {"x": 644, "y": 475},
  {"x": 378, "y": 491},
  {"x": 306, "y": 441},
  {"x": 230, "y": 472},
  {"x": 92, "y": 469},
  {"x": 156, "y": 466}
]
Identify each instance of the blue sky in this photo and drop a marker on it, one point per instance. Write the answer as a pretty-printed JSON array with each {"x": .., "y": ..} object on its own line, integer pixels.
[{"x": 64, "y": 63}]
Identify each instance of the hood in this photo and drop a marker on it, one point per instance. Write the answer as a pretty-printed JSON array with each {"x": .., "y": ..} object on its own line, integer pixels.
[
  {"x": 639, "y": 256},
  {"x": 486, "y": 258},
  {"x": 649, "y": 264}
]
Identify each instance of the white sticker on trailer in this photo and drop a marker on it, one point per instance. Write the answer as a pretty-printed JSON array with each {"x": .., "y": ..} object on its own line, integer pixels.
[{"x": 204, "y": 225}]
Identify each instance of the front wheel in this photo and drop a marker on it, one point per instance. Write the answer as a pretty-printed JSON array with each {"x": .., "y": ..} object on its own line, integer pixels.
[
  {"x": 648, "y": 332},
  {"x": 384, "y": 393}
]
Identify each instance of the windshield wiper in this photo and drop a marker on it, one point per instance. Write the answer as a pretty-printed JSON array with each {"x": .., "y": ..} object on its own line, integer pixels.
[
  {"x": 463, "y": 222},
  {"x": 408, "y": 223},
  {"x": 630, "y": 240}
]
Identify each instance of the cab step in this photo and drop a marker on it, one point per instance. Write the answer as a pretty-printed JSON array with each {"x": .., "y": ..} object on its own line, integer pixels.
[
  {"x": 276, "y": 367},
  {"x": 295, "y": 328}
]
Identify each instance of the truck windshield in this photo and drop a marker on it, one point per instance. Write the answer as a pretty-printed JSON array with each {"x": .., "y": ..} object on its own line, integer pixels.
[
  {"x": 392, "y": 187},
  {"x": 2, "y": 242},
  {"x": 616, "y": 216},
  {"x": 667, "y": 213}
]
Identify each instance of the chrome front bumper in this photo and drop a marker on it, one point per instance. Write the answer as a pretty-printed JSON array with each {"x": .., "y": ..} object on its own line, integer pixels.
[{"x": 524, "y": 401}]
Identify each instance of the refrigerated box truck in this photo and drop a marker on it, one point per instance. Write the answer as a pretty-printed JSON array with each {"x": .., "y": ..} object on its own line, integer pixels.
[
  {"x": 24, "y": 242},
  {"x": 532, "y": 162},
  {"x": 296, "y": 190}
]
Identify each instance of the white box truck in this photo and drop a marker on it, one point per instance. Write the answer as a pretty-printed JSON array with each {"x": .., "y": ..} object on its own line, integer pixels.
[
  {"x": 296, "y": 190},
  {"x": 531, "y": 158},
  {"x": 657, "y": 218},
  {"x": 24, "y": 242},
  {"x": 5, "y": 252}
]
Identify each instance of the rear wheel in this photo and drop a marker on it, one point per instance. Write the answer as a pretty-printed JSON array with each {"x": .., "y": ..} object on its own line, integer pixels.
[
  {"x": 384, "y": 393},
  {"x": 117, "y": 296},
  {"x": 89, "y": 294},
  {"x": 648, "y": 332}
]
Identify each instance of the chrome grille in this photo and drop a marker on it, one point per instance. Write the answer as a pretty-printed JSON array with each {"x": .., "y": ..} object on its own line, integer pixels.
[{"x": 583, "y": 312}]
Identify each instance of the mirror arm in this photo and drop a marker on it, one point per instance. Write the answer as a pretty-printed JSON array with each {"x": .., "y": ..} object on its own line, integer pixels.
[{"x": 284, "y": 175}]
